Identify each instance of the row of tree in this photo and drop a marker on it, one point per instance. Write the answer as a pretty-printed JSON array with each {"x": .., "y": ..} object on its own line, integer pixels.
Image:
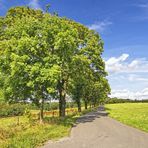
[
  {"x": 118, "y": 100},
  {"x": 44, "y": 55}
]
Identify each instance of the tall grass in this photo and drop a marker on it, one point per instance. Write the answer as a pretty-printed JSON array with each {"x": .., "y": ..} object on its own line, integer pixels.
[
  {"x": 133, "y": 114},
  {"x": 28, "y": 134}
]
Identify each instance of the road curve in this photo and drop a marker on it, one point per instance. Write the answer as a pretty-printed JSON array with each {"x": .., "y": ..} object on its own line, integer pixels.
[{"x": 96, "y": 130}]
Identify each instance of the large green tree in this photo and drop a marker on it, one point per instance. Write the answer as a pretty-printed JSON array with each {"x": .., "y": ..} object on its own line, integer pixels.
[
  {"x": 42, "y": 54},
  {"x": 89, "y": 70},
  {"x": 27, "y": 61}
]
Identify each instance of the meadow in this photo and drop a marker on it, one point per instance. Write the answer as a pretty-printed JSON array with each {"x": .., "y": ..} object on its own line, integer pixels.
[
  {"x": 132, "y": 114},
  {"x": 26, "y": 132}
]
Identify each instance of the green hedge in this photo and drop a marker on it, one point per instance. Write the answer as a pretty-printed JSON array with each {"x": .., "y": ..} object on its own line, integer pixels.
[
  {"x": 51, "y": 106},
  {"x": 55, "y": 105},
  {"x": 7, "y": 110},
  {"x": 18, "y": 109}
]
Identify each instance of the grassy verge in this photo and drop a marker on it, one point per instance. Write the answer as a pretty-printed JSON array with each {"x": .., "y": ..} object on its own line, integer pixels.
[
  {"x": 30, "y": 134},
  {"x": 133, "y": 114}
]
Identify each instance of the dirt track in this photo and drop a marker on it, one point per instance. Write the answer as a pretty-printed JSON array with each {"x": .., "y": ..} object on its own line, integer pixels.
[{"x": 96, "y": 130}]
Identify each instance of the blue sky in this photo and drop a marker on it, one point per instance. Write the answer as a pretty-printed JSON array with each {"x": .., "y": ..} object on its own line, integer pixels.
[{"x": 123, "y": 26}]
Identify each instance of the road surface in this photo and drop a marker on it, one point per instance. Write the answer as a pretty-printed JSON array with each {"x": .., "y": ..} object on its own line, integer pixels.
[{"x": 96, "y": 130}]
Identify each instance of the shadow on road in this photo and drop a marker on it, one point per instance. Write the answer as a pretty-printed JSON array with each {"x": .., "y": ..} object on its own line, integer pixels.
[{"x": 92, "y": 115}]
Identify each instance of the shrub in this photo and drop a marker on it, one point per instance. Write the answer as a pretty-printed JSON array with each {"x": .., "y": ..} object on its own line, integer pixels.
[
  {"x": 7, "y": 110},
  {"x": 48, "y": 106}
]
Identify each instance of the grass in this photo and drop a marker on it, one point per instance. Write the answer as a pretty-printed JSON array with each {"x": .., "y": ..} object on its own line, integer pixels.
[
  {"x": 30, "y": 134},
  {"x": 133, "y": 114}
]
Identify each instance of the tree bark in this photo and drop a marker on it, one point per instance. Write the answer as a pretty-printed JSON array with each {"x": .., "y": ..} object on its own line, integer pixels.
[
  {"x": 79, "y": 104},
  {"x": 42, "y": 110},
  {"x": 62, "y": 105},
  {"x": 85, "y": 102},
  {"x": 90, "y": 105},
  {"x": 62, "y": 98},
  {"x": 94, "y": 104}
]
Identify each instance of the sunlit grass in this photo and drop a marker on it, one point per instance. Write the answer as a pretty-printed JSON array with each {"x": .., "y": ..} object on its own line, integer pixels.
[
  {"x": 26, "y": 134},
  {"x": 133, "y": 114}
]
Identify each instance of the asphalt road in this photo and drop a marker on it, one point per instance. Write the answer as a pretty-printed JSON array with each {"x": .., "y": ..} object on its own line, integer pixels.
[{"x": 96, "y": 130}]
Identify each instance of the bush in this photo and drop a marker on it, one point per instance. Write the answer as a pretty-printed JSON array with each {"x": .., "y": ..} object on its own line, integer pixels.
[
  {"x": 52, "y": 106},
  {"x": 18, "y": 109},
  {"x": 55, "y": 105},
  {"x": 7, "y": 110}
]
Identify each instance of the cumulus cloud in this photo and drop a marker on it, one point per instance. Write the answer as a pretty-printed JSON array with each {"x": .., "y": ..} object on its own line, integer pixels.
[
  {"x": 134, "y": 77},
  {"x": 121, "y": 64},
  {"x": 100, "y": 26},
  {"x": 129, "y": 74},
  {"x": 35, "y": 4},
  {"x": 126, "y": 94}
]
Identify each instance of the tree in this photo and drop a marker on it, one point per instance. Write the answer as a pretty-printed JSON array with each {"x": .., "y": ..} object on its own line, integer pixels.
[
  {"x": 79, "y": 78},
  {"x": 43, "y": 54},
  {"x": 89, "y": 69},
  {"x": 30, "y": 68},
  {"x": 47, "y": 7}
]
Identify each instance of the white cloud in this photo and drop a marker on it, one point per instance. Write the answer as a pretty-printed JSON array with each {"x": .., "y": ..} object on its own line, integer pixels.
[
  {"x": 121, "y": 65},
  {"x": 131, "y": 81},
  {"x": 143, "y": 11},
  {"x": 134, "y": 63},
  {"x": 35, "y": 4},
  {"x": 127, "y": 77},
  {"x": 114, "y": 60},
  {"x": 143, "y": 5},
  {"x": 126, "y": 94},
  {"x": 100, "y": 26},
  {"x": 134, "y": 77}
]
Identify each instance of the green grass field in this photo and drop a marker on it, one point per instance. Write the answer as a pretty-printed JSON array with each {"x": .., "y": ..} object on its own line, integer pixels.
[
  {"x": 30, "y": 134},
  {"x": 133, "y": 114}
]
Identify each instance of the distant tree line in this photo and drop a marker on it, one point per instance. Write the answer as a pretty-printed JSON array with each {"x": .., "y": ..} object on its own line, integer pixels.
[{"x": 118, "y": 100}]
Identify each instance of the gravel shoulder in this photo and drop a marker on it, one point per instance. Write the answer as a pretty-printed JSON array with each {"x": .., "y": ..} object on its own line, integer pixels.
[{"x": 97, "y": 130}]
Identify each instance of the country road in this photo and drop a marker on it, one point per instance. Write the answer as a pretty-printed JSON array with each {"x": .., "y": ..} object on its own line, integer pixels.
[{"x": 96, "y": 130}]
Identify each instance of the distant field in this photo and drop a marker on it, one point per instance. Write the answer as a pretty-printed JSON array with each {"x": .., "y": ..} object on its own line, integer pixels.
[{"x": 133, "y": 114}]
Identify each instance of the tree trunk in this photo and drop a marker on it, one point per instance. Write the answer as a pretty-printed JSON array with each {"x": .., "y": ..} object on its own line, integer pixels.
[
  {"x": 62, "y": 105},
  {"x": 62, "y": 99},
  {"x": 94, "y": 104},
  {"x": 90, "y": 105},
  {"x": 42, "y": 110},
  {"x": 85, "y": 102},
  {"x": 79, "y": 105}
]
